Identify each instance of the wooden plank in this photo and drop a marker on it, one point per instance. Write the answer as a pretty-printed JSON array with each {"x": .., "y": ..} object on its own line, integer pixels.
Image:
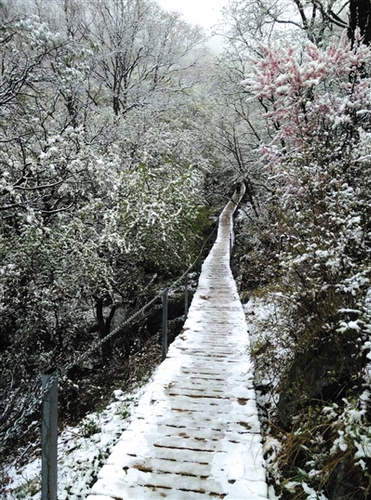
[{"x": 196, "y": 431}]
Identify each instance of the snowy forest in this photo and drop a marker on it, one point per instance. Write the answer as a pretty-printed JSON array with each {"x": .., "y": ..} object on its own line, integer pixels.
[{"x": 122, "y": 136}]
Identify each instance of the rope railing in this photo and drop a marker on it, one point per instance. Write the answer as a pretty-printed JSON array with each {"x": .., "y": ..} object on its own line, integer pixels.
[
  {"x": 51, "y": 381},
  {"x": 38, "y": 398}
]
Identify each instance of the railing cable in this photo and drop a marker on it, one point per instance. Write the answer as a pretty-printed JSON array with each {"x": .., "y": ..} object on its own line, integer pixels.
[{"x": 38, "y": 397}]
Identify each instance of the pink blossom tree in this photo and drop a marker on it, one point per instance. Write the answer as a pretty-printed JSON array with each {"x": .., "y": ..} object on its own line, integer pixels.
[{"x": 317, "y": 110}]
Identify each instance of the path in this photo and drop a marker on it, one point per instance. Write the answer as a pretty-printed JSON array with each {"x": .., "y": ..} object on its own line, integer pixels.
[{"x": 196, "y": 433}]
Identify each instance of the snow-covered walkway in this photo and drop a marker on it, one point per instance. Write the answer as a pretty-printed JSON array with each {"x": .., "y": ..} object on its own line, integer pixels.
[{"x": 196, "y": 433}]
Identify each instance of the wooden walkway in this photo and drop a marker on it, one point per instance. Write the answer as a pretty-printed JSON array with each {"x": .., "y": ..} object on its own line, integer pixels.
[{"x": 196, "y": 433}]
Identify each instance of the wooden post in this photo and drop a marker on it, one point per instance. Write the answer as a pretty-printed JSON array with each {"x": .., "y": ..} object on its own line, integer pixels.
[
  {"x": 164, "y": 323},
  {"x": 49, "y": 436},
  {"x": 186, "y": 297}
]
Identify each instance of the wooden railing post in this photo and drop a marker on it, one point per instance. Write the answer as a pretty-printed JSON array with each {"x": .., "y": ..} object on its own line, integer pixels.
[
  {"x": 49, "y": 435},
  {"x": 185, "y": 297},
  {"x": 164, "y": 322}
]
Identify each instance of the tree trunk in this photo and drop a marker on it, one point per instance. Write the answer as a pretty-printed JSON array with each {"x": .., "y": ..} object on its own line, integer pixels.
[
  {"x": 104, "y": 325},
  {"x": 360, "y": 17}
]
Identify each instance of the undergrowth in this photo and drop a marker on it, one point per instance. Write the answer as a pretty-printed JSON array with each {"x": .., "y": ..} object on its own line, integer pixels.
[{"x": 311, "y": 346}]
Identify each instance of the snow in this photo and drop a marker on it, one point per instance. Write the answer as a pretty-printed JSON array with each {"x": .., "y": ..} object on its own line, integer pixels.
[
  {"x": 195, "y": 424},
  {"x": 196, "y": 429}
]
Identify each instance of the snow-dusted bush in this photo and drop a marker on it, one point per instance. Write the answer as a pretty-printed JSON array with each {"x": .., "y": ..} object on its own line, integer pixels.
[{"x": 318, "y": 110}]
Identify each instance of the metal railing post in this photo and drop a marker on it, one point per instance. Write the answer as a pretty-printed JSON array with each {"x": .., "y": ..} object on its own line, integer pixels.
[
  {"x": 186, "y": 297},
  {"x": 164, "y": 323},
  {"x": 49, "y": 435}
]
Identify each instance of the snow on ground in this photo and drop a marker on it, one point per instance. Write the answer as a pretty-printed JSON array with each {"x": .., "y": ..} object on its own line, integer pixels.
[
  {"x": 263, "y": 317},
  {"x": 196, "y": 432},
  {"x": 236, "y": 467},
  {"x": 81, "y": 452}
]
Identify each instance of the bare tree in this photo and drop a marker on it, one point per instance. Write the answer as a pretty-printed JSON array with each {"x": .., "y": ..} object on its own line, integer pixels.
[
  {"x": 254, "y": 21},
  {"x": 142, "y": 49}
]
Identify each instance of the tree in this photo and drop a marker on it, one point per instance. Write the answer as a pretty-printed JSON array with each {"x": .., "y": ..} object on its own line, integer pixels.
[
  {"x": 249, "y": 23},
  {"x": 142, "y": 50},
  {"x": 91, "y": 195},
  {"x": 318, "y": 112}
]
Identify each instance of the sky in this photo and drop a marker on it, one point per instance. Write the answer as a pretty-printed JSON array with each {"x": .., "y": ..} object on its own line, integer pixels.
[{"x": 203, "y": 12}]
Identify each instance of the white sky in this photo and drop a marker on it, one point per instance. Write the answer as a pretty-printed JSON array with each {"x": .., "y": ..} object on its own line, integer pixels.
[{"x": 203, "y": 12}]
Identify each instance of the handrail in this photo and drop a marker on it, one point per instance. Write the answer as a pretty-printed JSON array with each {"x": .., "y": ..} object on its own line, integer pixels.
[
  {"x": 11, "y": 432},
  {"x": 38, "y": 398}
]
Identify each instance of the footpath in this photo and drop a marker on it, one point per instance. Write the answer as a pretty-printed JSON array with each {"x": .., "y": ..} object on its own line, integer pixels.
[{"x": 195, "y": 433}]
